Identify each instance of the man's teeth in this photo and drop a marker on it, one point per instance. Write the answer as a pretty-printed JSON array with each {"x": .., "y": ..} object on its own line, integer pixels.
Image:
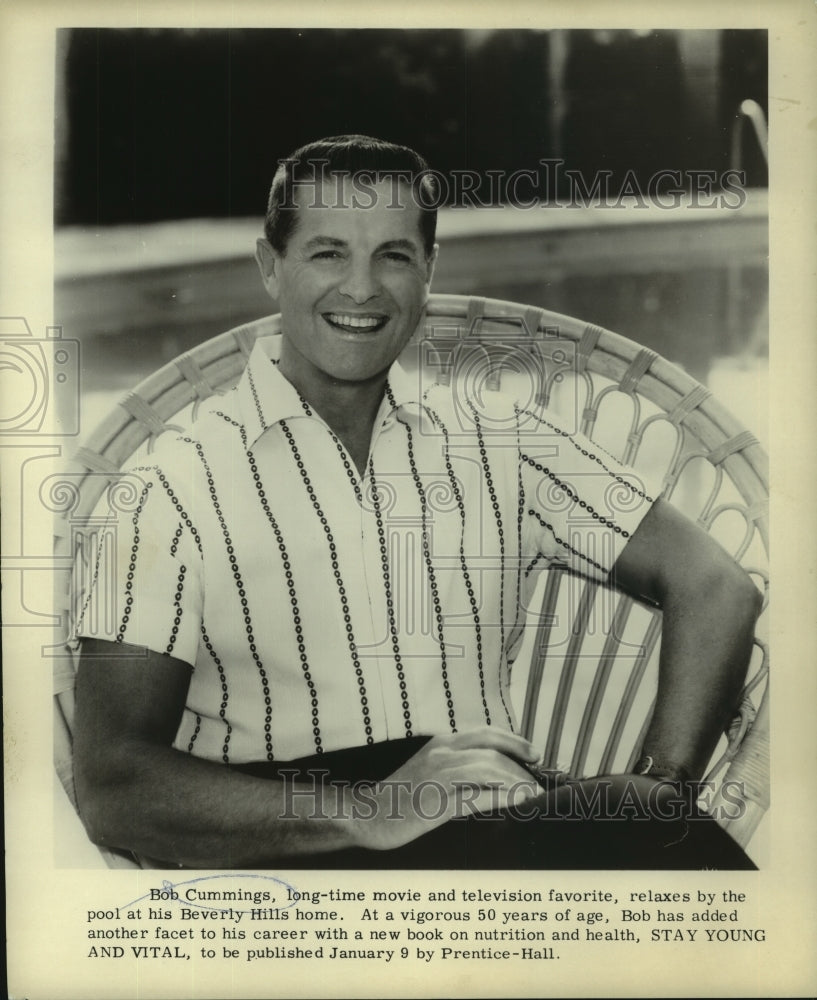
[{"x": 356, "y": 322}]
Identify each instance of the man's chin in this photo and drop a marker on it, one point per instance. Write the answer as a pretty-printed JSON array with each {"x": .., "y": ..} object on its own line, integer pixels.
[{"x": 359, "y": 376}]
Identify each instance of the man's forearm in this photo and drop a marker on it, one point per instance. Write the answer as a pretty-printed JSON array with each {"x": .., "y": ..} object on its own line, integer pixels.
[
  {"x": 136, "y": 792},
  {"x": 705, "y": 649},
  {"x": 710, "y": 607},
  {"x": 167, "y": 804}
]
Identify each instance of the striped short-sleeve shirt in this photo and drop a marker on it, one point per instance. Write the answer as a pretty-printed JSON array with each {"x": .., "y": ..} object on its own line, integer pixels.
[{"x": 322, "y": 609}]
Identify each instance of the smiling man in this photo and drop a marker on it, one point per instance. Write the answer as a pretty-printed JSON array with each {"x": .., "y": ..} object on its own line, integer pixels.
[
  {"x": 352, "y": 280},
  {"x": 270, "y": 696}
]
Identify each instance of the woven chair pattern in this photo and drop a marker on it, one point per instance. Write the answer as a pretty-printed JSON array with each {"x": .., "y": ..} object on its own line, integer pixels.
[{"x": 584, "y": 689}]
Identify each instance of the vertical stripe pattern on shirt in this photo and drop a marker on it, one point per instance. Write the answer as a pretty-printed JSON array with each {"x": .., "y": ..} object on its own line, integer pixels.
[
  {"x": 196, "y": 732},
  {"x": 177, "y": 606},
  {"x": 590, "y": 455},
  {"x": 333, "y": 554},
  {"x": 175, "y": 501},
  {"x": 222, "y": 711},
  {"x": 245, "y": 608},
  {"x": 174, "y": 545},
  {"x": 293, "y": 600},
  {"x": 347, "y": 465},
  {"x": 432, "y": 578},
  {"x": 258, "y": 408},
  {"x": 563, "y": 543},
  {"x": 515, "y": 631},
  {"x": 100, "y": 548},
  {"x": 563, "y": 487},
  {"x": 463, "y": 564},
  {"x": 293, "y": 597},
  {"x": 384, "y": 562},
  {"x": 134, "y": 552},
  {"x": 489, "y": 483}
]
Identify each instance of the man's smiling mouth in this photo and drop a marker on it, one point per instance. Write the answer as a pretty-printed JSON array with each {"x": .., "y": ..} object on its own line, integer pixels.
[{"x": 351, "y": 323}]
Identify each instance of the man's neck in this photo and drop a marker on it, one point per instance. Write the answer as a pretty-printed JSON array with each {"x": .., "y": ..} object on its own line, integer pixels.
[{"x": 349, "y": 408}]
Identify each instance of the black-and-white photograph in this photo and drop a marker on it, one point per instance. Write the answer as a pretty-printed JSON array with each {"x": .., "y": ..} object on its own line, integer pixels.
[
  {"x": 388, "y": 400},
  {"x": 421, "y": 518}
]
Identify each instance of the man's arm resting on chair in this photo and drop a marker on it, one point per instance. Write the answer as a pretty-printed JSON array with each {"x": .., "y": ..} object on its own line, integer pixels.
[
  {"x": 135, "y": 791},
  {"x": 710, "y": 608}
]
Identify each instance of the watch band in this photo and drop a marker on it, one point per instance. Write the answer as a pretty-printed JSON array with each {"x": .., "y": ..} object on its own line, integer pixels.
[{"x": 648, "y": 766}]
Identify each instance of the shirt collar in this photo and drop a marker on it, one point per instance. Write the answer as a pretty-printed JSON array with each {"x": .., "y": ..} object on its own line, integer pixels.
[
  {"x": 266, "y": 397},
  {"x": 404, "y": 387},
  {"x": 409, "y": 384}
]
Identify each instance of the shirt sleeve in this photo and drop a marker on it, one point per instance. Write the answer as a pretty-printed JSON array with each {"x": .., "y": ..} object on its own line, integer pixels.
[
  {"x": 581, "y": 505},
  {"x": 137, "y": 572}
]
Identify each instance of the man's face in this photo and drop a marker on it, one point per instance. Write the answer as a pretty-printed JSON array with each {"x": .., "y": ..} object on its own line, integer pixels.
[{"x": 352, "y": 283}]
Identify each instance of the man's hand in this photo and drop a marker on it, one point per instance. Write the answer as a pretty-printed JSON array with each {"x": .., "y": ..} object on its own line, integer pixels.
[
  {"x": 135, "y": 791},
  {"x": 475, "y": 771}
]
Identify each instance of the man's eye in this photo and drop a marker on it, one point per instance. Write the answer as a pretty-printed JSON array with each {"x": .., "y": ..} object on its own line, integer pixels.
[
  {"x": 325, "y": 255},
  {"x": 400, "y": 258}
]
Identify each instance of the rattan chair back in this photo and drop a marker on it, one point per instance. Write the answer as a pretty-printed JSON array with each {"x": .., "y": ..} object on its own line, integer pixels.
[{"x": 584, "y": 683}]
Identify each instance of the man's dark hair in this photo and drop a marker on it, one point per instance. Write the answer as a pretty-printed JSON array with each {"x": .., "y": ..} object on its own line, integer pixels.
[{"x": 374, "y": 159}]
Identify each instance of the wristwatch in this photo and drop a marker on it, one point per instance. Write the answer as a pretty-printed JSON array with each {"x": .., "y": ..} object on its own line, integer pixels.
[{"x": 647, "y": 765}]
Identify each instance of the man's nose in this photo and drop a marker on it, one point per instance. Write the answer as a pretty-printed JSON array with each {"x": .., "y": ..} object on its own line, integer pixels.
[{"x": 360, "y": 282}]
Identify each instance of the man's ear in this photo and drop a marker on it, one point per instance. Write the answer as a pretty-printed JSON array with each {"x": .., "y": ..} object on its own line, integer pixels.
[
  {"x": 267, "y": 260},
  {"x": 431, "y": 263}
]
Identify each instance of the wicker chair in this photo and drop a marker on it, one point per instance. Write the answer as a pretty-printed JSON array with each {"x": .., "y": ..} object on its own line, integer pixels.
[{"x": 584, "y": 685}]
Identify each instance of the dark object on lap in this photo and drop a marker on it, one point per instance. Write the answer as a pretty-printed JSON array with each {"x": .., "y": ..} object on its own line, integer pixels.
[{"x": 537, "y": 838}]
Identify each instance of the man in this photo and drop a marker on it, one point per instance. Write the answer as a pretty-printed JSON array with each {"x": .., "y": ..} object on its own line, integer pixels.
[{"x": 262, "y": 635}]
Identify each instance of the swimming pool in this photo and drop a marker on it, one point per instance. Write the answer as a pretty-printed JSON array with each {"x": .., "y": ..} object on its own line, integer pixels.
[{"x": 690, "y": 284}]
